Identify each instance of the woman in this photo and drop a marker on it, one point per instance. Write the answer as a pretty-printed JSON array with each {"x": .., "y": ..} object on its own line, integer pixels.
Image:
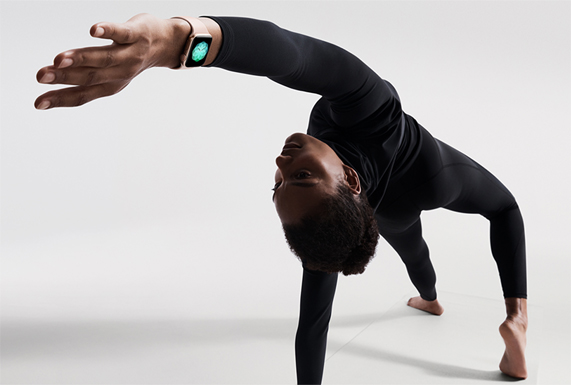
[{"x": 364, "y": 167}]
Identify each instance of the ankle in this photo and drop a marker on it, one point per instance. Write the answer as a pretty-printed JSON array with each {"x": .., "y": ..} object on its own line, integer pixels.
[{"x": 516, "y": 309}]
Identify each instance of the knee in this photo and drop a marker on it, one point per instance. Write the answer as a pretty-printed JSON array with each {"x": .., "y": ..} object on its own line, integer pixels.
[{"x": 508, "y": 206}]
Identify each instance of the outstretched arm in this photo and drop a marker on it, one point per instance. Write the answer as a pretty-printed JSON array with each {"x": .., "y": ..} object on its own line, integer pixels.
[
  {"x": 354, "y": 92},
  {"x": 317, "y": 292},
  {"x": 144, "y": 41}
]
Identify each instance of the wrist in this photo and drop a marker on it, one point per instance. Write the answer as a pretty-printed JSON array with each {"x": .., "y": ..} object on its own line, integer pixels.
[
  {"x": 203, "y": 43},
  {"x": 178, "y": 32}
]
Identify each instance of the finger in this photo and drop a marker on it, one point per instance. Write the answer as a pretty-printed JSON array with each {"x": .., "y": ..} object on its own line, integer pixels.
[
  {"x": 105, "y": 56},
  {"x": 77, "y": 96},
  {"x": 41, "y": 75},
  {"x": 120, "y": 33},
  {"x": 87, "y": 76}
]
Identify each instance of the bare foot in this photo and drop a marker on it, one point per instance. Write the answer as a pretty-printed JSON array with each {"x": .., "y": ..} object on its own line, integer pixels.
[
  {"x": 433, "y": 307},
  {"x": 513, "y": 332}
]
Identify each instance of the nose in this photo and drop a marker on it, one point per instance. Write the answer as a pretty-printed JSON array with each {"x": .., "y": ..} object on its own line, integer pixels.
[{"x": 283, "y": 160}]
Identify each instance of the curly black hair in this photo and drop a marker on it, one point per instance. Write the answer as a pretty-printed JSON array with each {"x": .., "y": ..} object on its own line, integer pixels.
[{"x": 340, "y": 237}]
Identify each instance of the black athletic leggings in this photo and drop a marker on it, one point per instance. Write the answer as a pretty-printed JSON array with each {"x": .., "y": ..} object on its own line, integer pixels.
[{"x": 441, "y": 176}]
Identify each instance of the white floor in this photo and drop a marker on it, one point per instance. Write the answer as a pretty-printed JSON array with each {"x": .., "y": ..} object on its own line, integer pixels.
[
  {"x": 407, "y": 346},
  {"x": 401, "y": 346},
  {"x": 131, "y": 306}
]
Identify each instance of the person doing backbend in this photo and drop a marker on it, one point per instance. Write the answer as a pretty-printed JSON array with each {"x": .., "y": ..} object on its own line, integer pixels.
[{"x": 363, "y": 168}]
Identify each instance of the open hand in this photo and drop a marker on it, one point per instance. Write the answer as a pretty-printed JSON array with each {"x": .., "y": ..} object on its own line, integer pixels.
[{"x": 142, "y": 42}]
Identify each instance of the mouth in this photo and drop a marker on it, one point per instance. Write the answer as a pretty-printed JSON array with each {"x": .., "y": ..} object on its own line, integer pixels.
[{"x": 291, "y": 145}]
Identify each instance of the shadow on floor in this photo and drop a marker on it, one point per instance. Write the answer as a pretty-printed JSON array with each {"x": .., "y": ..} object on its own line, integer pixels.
[
  {"x": 432, "y": 367},
  {"x": 72, "y": 338},
  {"x": 33, "y": 339}
]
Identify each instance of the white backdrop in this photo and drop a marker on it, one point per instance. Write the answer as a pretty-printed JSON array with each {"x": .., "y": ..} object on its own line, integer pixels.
[{"x": 156, "y": 202}]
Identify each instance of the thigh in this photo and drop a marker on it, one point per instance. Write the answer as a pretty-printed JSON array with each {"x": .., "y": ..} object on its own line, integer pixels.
[
  {"x": 441, "y": 176},
  {"x": 465, "y": 186}
]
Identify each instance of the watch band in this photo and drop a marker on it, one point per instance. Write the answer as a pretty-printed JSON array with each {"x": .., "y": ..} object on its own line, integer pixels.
[{"x": 197, "y": 30}]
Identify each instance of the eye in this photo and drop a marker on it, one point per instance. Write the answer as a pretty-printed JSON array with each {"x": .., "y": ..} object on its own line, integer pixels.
[
  {"x": 302, "y": 175},
  {"x": 274, "y": 190}
]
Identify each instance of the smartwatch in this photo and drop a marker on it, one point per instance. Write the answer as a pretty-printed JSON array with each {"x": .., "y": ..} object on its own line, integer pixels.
[{"x": 197, "y": 45}]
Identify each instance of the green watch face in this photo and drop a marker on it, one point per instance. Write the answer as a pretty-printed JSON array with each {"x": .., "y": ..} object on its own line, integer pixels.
[{"x": 199, "y": 52}]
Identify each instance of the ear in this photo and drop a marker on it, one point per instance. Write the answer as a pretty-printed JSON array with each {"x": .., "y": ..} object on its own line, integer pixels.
[{"x": 352, "y": 179}]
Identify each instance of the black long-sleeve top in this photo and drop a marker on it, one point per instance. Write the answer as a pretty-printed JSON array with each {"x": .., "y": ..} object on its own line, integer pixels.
[{"x": 359, "y": 116}]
